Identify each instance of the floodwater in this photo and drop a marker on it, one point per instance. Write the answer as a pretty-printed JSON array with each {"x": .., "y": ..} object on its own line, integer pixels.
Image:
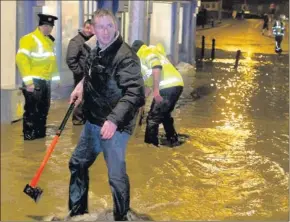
[{"x": 233, "y": 166}]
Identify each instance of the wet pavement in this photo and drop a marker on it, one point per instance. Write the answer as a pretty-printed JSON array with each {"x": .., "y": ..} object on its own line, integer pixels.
[{"x": 233, "y": 166}]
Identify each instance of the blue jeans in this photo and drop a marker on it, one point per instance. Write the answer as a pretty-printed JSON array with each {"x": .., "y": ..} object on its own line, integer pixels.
[{"x": 86, "y": 152}]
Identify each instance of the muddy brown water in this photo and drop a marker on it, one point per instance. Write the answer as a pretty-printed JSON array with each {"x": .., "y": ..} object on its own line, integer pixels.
[{"x": 233, "y": 166}]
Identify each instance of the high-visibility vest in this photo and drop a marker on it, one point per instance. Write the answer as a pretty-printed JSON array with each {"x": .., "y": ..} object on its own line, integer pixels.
[
  {"x": 36, "y": 58},
  {"x": 152, "y": 56},
  {"x": 278, "y": 28}
]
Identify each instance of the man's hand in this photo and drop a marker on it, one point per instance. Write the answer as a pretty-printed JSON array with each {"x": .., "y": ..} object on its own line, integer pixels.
[
  {"x": 108, "y": 130},
  {"x": 156, "y": 72},
  {"x": 77, "y": 95},
  {"x": 157, "y": 97},
  {"x": 30, "y": 88}
]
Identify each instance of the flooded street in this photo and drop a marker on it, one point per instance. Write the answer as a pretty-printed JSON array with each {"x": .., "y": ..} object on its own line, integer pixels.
[{"x": 233, "y": 166}]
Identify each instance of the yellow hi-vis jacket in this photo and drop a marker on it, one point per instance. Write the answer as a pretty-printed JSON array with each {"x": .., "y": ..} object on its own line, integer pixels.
[
  {"x": 36, "y": 58},
  {"x": 153, "y": 57}
]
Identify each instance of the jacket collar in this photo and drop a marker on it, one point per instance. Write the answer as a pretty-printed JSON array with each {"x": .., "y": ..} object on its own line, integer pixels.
[
  {"x": 111, "y": 48},
  {"x": 86, "y": 38},
  {"x": 142, "y": 49},
  {"x": 40, "y": 35},
  {"x": 92, "y": 42},
  {"x": 38, "y": 32}
]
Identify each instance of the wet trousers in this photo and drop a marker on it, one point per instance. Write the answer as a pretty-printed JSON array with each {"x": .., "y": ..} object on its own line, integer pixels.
[
  {"x": 278, "y": 41},
  {"x": 86, "y": 152},
  {"x": 161, "y": 113},
  {"x": 78, "y": 116},
  {"x": 36, "y": 109}
]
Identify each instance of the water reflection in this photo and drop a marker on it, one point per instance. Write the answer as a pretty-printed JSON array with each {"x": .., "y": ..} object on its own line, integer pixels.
[{"x": 233, "y": 166}]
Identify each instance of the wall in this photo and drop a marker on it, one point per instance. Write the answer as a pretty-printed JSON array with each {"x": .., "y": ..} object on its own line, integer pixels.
[
  {"x": 127, "y": 20},
  {"x": 180, "y": 25},
  {"x": 211, "y": 6},
  {"x": 161, "y": 25},
  {"x": 8, "y": 43},
  {"x": 70, "y": 26}
]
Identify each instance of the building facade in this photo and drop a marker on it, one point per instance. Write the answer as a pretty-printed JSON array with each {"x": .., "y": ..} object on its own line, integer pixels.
[{"x": 171, "y": 23}]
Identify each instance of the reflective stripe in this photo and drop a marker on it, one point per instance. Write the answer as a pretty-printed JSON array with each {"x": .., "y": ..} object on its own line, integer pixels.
[
  {"x": 38, "y": 42},
  {"x": 24, "y": 51},
  {"x": 148, "y": 72},
  {"x": 169, "y": 81},
  {"x": 55, "y": 78},
  {"x": 151, "y": 57},
  {"x": 164, "y": 61},
  {"x": 40, "y": 53},
  {"x": 29, "y": 78}
]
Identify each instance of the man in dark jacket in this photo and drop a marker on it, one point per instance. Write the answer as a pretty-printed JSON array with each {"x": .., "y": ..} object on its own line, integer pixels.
[
  {"x": 75, "y": 62},
  {"x": 112, "y": 91},
  {"x": 266, "y": 23},
  {"x": 86, "y": 48}
]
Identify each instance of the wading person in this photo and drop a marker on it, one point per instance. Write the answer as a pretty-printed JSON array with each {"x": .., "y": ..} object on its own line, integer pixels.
[
  {"x": 167, "y": 83},
  {"x": 265, "y": 24},
  {"x": 76, "y": 62},
  {"x": 278, "y": 32},
  {"x": 36, "y": 62},
  {"x": 112, "y": 92}
]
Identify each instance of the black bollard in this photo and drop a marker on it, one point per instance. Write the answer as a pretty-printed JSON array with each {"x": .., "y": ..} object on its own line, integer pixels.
[
  {"x": 202, "y": 47},
  {"x": 237, "y": 58},
  {"x": 213, "y": 50}
]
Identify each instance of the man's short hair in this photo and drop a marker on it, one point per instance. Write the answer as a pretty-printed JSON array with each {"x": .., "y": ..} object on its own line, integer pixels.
[
  {"x": 88, "y": 21},
  {"x": 103, "y": 12}
]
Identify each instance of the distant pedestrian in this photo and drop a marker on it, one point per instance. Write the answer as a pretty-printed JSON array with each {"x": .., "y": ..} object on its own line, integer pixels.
[
  {"x": 234, "y": 14},
  {"x": 272, "y": 11},
  {"x": 211, "y": 20},
  {"x": 266, "y": 23},
  {"x": 242, "y": 14},
  {"x": 278, "y": 32}
]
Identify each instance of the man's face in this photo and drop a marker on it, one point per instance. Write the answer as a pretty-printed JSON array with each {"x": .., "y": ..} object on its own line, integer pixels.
[
  {"x": 47, "y": 29},
  {"x": 87, "y": 30},
  {"x": 105, "y": 29}
]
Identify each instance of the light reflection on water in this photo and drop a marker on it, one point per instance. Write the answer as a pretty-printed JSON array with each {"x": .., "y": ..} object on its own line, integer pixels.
[{"x": 234, "y": 166}]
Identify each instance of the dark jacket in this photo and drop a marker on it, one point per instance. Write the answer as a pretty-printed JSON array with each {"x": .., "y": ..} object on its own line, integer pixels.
[
  {"x": 113, "y": 86},
  {"x": 73, "y": 55},
  {"x": 266, "y": 19},
  {"x": 86, "y": 49}
]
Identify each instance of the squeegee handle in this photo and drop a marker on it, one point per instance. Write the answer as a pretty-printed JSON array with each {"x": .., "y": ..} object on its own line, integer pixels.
[
  {"x": 67, "y": 115},
  {"x": 51, "y": 147}
]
